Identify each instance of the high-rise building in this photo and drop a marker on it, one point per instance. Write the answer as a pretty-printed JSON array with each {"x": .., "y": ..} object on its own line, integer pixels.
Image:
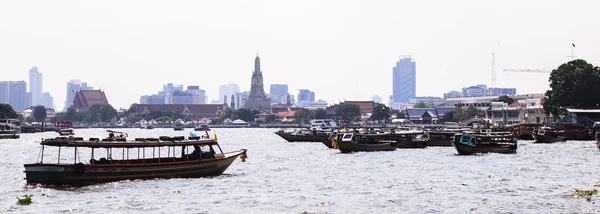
[
  {"x": 404, "y": 79},
  {"x": 35, "y": 85},
  {"x": 501, "y": 91},
  {"x": 452, "y": 94},
  {"x": 199, "y": 94},
  {"x": 170, "y": 88},
  {"x": 74, "y": 86},
  {"x": 278, "y": 93},
  {"x": 474, "y": 91},
  {"x": 257, "y": 99},
  {"x": 47, "y": 100},
  {"x": 152, "y": 99},
  {"x": 305, "y": 95},
  {"x": 240, "y": 99},
  {"x": 227, "y": 90},
  {"x": 14, "y": 93}
]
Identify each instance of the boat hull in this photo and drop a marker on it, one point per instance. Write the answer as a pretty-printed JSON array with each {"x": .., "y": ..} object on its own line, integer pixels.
[
  {"x": 348, "y": 147},
  {"x": 445, "y": 143},
  {"x": 82, "y": 174},
  {"x": 412, "y": 144},
  {"x": 302, "y": 138},
  {"x": 10, "y": 136},
  {"x": 547, "y": 139},
  {"x": 467, "y": 149},
  {"x": 328, "y": 143}
]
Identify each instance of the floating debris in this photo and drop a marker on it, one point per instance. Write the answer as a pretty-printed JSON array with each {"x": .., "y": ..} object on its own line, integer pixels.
[
  {"x": 26, "y": 200},
  {"x": 587, "y": 194}
]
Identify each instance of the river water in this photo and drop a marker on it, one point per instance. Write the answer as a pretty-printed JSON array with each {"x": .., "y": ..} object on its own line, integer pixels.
[{"x": 281, "y": 177}]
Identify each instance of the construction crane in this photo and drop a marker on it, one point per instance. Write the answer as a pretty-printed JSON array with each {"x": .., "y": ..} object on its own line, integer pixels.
[{"x": 543, "y": 70}]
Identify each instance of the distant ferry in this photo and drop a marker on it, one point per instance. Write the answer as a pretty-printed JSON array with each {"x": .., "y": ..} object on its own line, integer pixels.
[
  {"x": 323, "y": 123},
  {"x": 10, "y": 126}
]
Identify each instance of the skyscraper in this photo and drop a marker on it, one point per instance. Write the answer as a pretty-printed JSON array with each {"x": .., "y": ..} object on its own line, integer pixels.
[
  {"x": 404, "y": 79},
  {"x": 35, "y": 85},
  {"x": 73, "y": 87},
  {"x": 47, "y": 100},
  {"x": 305, "y": 96},
  {"x": 278, "y": 93},
  {"x": 14, "y": 93},
  {"x": 257, "y": 99},
  {"x": 227, "y": 90}
]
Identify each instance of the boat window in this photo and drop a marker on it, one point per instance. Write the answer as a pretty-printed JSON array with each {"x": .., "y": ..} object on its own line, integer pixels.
[{"x": 347, "y": 136}]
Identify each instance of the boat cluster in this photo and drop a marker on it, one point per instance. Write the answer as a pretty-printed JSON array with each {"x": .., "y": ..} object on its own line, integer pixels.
[{"x": 466, "y": 140}]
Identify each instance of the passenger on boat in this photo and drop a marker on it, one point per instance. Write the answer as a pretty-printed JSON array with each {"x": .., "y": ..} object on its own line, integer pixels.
[
  {"x": 111, "y": 135},
  {"x": 206, "y": 134}
]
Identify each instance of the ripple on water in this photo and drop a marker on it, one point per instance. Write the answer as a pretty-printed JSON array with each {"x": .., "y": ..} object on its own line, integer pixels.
[{"x": 282, "y": 177}]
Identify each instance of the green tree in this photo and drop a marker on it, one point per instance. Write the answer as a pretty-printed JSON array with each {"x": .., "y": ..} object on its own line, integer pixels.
[
  {"x": 449, "y": 117},
  {"x": 421, "y": 104},
  {"x": 573, "y": 84},
  {"x": 472, "y": 111},
  {"x": 39, "y": 112},
  {"x": 321, "y": 114},
  {"x": 107, "y": 113},
  {"x": 132, "y": 109},
  {"x": 72, "y": 115},
  {"x": 504, "y": 99},
  {"x": 92, "y": 115},
  {"x": 303, "y": 116},
  {"x": 347, "y": 111},
  {"x": 246, "y": 114},
  {"x": 271, "y": 118},
  {"x": 381, "y": 113},
  {"x": 30, "y": 119},
  {"x": 459, "y": 114},
  {"x": 397, "y": 114},
  {"x": 131, "y": 118},
  {"x": 7, "y": 112}
]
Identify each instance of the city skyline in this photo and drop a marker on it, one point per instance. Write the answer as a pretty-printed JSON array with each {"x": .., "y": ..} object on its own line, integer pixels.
[{"x": 130, "y": 48}]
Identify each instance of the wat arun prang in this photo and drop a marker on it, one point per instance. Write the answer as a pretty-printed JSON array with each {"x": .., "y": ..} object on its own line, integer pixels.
[{"x": 257, "y": 99}]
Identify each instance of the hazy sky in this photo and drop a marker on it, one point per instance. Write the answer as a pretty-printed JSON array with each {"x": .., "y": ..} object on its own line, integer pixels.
[{"x": 339, "y": 49}]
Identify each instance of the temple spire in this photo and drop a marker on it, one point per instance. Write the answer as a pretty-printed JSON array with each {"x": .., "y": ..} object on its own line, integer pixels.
[{"x": 257, "y": 64}]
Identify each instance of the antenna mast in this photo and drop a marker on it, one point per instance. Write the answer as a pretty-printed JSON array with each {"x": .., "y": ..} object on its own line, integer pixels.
[{"x": 493, "y": 71}]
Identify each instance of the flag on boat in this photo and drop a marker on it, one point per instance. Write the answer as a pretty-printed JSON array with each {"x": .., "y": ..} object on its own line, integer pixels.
[
  {"x": 192, "y": 134},
  {"x": 215, "y": 136}
]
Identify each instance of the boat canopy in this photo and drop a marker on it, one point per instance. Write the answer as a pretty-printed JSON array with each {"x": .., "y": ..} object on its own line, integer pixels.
[{"x": 124, "y": 144}]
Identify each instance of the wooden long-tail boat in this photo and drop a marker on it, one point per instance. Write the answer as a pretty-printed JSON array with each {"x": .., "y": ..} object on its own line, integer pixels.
[
  {"x": 469, "y": 143},
  {"x": 547, "y": 135},
  {"x": 523, "y": 130},
  {"x": 353, "y": 142},
  {"x": 304, "y": 135},
  {"x": 143, "y": 158},
  {"x": 443, "y": 137}
]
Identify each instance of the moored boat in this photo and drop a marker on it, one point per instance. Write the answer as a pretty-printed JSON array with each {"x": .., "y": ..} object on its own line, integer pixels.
[
  {"x": 304, "y": 135},
  {"x": 65, "y": 132},
  {"x": 143, "y": 158},
  {"x": 202, "y": 127},
  {"x": 442, "y": 137},
  {"x": 469, "y": 143},
  {"x": 353, "y": 142},
  {"x": 178, "y": 127},
  {"x": 523, "y": 130},
  {"x": 547, "y": 135}
]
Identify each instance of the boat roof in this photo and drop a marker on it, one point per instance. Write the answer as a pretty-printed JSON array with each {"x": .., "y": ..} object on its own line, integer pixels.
[
  {"x": 111, "y": 131},
  {"x": 123, "y": 144}
]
